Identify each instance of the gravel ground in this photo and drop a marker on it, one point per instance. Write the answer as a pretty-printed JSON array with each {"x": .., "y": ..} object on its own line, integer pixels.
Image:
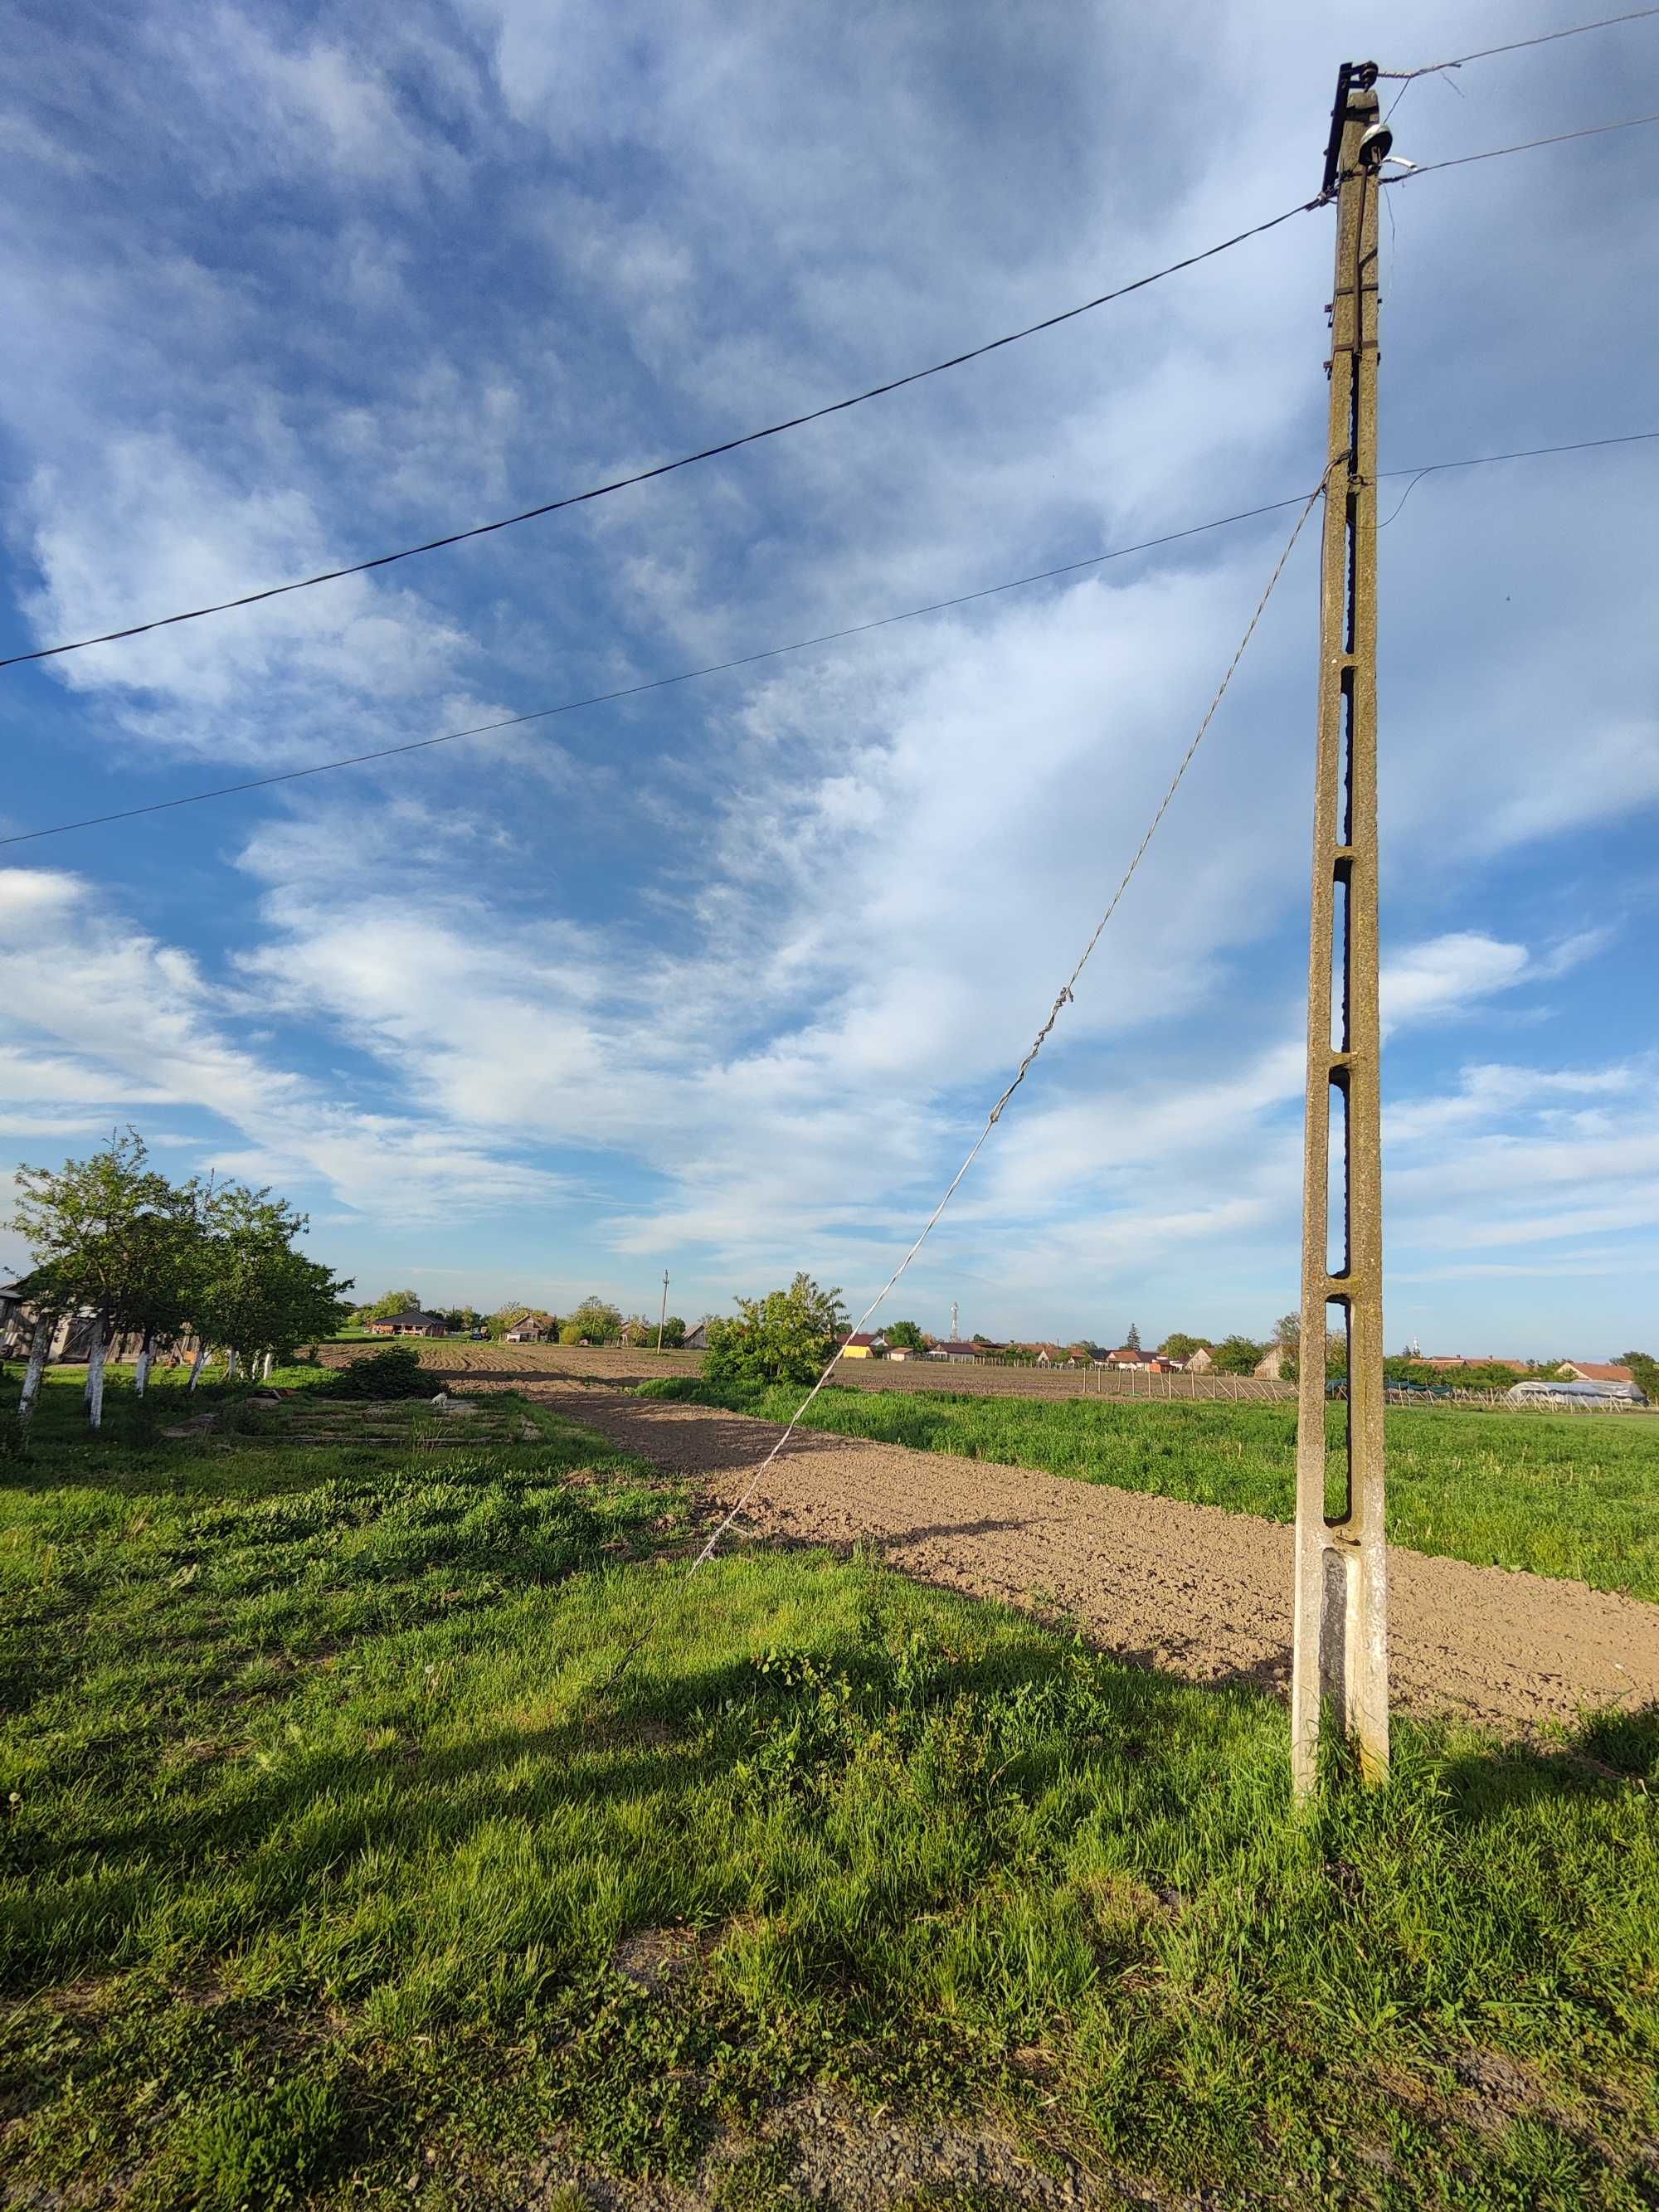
[{"x": 1190, "y": 1589}]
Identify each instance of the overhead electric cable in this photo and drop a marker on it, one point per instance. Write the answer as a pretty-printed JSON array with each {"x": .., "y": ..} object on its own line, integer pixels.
[
  {"x": 1514, "y": 45},
  {"x": 1063, "y": 999},
  {"x": 796, "y": 645},
  {"x": 662, "y": 468},
  {"x": 1527, "y": 146}
]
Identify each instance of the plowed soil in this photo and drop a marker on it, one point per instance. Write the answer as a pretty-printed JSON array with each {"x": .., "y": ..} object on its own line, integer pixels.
[{"x": 1189, "y": 1589}]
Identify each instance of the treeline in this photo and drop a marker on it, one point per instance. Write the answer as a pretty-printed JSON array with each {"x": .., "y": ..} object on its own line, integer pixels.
[
  {"x": 113, "y": 1240},
  {"x": 595, "y": 1321}
]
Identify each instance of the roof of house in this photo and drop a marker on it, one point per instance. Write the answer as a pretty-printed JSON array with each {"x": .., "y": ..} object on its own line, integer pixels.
[
  {"x": 411, "y": 1314},
  {"x": 1600, "y": 1371},
  {"x": 863, "y": 1337},
  {"x": 961, "y": 1351}
]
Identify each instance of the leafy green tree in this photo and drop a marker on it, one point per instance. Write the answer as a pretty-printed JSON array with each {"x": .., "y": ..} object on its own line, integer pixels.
[
  {"x": 905, "y": 1335},
  {"x": 1644, "y": 1373},
  {"x": 1287, "y": 1332},
  {"x": 114, "y": 1233},
  {"x": 504, "y": 1318},
  {"x": 256, "y": 1294},
  {"x": 595, "y": 1319},
  {"x": 785, "y": 1337},
  {"x": 1179, "y": 1345},
  {"x": 1237, "y": 1355},
  {"x": 392, "y": 1302},
  {"x": 673, "y": 1333},
  {"x": 1132, "y": 1342}
]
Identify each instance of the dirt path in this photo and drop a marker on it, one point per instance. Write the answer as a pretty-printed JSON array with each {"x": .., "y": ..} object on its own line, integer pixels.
[{"x": 1191, "y": 1589}]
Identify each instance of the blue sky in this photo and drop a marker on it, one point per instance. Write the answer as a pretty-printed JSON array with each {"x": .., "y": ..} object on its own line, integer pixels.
[{"x": 722, "y": 980}]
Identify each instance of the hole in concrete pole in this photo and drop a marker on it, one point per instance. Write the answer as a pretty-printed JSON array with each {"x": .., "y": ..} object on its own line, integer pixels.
[
  {"x": 1340, "y": 959},
  {"x": 1339, "y": 1456},
  {"x": 1346, "y": 803},
  {"x": 1336, "y": 1180}
]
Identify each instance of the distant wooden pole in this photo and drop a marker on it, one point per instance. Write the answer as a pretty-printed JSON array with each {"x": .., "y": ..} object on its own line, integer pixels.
[
  {"x": 1341, "y": 1664},
  {"x": 662, "y": 1319}
]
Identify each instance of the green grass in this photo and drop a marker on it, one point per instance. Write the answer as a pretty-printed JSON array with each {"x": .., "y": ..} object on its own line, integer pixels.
[
  {"x": 326, "y": 1811},
  {"x": 1567, "y": 1495}
]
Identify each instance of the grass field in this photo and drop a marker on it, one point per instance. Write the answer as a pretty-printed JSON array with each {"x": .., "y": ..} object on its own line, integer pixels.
[
  {"x": 1560, "y": 1495},
  {"x": 333, "y": 1851}
]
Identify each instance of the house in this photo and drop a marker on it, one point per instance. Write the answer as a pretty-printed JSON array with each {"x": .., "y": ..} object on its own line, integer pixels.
[
  {"x": 1048, "y": 1355},
  {"x": 1131, "y": 1355},
  {"x": 1202, "y": 1362},
  {"x": 1595, "y": 1371},
  {"x": 1271, "y": 1365},
  {"x": 532, "y": 1328},
  {"x": 696, "y": 1339},
  {"x": 863, "y": 1345},
  {"x": 900, "y": 1352},
  {"x": 959, "y": 1353},
  {"x": 413, "y": 1323}
]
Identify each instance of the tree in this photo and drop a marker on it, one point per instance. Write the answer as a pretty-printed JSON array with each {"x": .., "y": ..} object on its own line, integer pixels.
[
  {"x": 905, "y": 1335},
  {"x": 673, "y": 1333},
  {"x": 392, "y": 1302},
  {"x": 785, "y": 1337},
  {"x": 255, "y": 1293},
  {"x": 504, "y": 1318},
  {"x": 1287, "y": 1332},
  {"x": 1179, "y": 1345},
  {"x": 112, "y": 1230},
  {"x": 1644, "y": 1373},
  {"x": 1237, "y": 1355},
  {"x": 1132, "y": 1342},
  {"x": 595, "y": 1319}
]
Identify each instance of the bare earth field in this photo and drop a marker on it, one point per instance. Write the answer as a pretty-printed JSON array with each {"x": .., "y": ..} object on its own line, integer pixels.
[
  {"x": 458, "y": 1359},
  {"x": 1200, "y": 1592}
]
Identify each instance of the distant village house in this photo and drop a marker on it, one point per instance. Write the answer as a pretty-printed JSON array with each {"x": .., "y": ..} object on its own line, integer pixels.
[
  {"x": 409, "y": 1324},
  {"x": 532, "y": 1328}
]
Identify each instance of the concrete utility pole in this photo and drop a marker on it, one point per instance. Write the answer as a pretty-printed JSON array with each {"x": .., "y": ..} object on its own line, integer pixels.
[
  {"x": 662, "y": 1319},
  {"x": 1341, "y": 1660}
]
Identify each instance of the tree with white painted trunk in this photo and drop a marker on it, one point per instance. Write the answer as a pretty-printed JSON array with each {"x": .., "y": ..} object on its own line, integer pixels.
[
  {"x": 111, "y": 1230},
  {"x": 43, "y": 1295},
  {"x": 256, "y": 1294}
]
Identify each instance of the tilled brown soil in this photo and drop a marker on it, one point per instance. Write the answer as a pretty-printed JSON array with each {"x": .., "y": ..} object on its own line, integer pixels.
[{"x": 1191, "y": 1589}]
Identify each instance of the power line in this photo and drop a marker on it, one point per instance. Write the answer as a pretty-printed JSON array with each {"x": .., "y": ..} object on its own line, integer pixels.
[
  {"x": 661, "y": 468},
  {"x": 797, "y": 645},
  {"x": 1527, "y": 146},
  {"x": 1514, "y": 45}
]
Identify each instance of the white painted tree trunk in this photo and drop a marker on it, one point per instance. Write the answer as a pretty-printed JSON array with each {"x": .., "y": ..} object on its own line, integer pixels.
[
  {"x": 196, "y": 1365},
  {"x": 40, "y": 1345},
  {"x": 95, "y": 1377},
  {"x": 141, "y": 1371},
  {"x": 230, "y": 1366},
  {"x": 269, "y": 1363}
]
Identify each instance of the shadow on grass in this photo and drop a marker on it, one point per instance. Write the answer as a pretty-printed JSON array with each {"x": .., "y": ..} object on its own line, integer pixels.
[{"x": 1610, "y": 1750}]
